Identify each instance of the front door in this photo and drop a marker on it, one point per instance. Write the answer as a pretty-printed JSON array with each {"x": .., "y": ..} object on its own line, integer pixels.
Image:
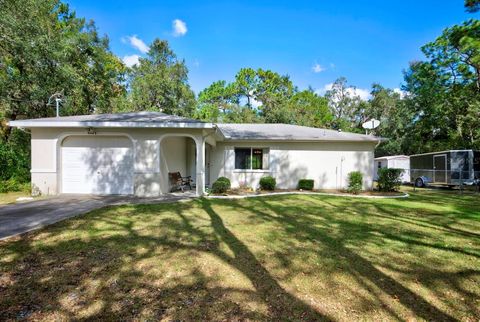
[{"x": 440, "y": 167}]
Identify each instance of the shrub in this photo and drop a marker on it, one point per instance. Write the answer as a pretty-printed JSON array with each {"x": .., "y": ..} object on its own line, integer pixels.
[
  {"x": 222, "y": 185},
  {"x": 14, "y": 163},
  {"x": 305, "y": 184},
  {"x": 268, "y": 183},
  {"x": 13, "y": 184},
  {"x": 355, "y": 180},
  {"x": 389, "y": 179}
]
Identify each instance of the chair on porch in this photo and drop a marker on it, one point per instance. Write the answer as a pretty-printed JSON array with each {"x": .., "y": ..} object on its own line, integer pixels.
[{"x": 177, "y": 182}]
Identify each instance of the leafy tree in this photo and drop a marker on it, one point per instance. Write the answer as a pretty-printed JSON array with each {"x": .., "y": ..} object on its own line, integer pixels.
[
  {"x": 241, "y": 114},
  {"x": 160, "y": 83},
  {"x": 472, "y": 5},
  {"x": 456, "y": 54},
  {"x": 235, "y": 100},
  {"x": 445, "y": 90},
  {"x": 220, "y": 102},
  {"x": 207, "y": 112},
  {"x": 220, "y": 94},
  {"x": 344, "y": 104},
  {"x": 246, "y": 85},
  {"x": 389, "y": 107},
  {"x": 44, "y": 49},
  {"x": 272, "y": 92},
  {"x": 310, "y": 109}
]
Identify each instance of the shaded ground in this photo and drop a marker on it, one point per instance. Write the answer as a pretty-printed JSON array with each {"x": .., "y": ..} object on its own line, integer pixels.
[
  {"x": 26, "y": 216},
  {"x": 273, "y": 258}
]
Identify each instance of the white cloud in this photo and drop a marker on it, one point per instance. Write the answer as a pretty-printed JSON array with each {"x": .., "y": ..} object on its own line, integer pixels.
[
  {"x": 324, "y": 89},
  {"x": 400, "y": 92},
  {"x": 179, "y": 28},
  {"x": 130, "y": 60},
  {"x": 364, "y": 94},
  {"x": 136, "y": 43},
  {"x": 317, "y": 68}
]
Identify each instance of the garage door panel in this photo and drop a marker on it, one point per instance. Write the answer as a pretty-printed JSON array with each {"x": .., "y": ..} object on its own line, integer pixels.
[{"x": 97, "y": 166}]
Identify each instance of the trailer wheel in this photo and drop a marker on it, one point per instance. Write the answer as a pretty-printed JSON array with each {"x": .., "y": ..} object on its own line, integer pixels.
[{"x": 419, "y": 183}]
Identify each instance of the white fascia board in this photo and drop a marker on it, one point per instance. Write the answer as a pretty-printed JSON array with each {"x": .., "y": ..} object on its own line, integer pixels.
[
  {"x": 311, "y": 140},
  {"x": 95, "y": 124}
]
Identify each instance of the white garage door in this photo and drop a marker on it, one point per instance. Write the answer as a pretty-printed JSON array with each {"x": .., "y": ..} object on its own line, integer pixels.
[{"x": 97, "y": 165}]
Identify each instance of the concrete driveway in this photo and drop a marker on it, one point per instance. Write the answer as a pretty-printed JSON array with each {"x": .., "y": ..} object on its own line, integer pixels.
[{"x": 22, "y": 217}]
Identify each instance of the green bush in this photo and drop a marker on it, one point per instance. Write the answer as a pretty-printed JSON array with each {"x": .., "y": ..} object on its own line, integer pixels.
[
  {"x": 13, "y": 185},
  {"x": 389, "y": 179},
  {"x": 305, "y": 184},
  {"x": 14, "y": 164},
  {"x": 222, "y": 185},
  {"x": 268, "y": 183},
  {"x": 355, "y": 180}
]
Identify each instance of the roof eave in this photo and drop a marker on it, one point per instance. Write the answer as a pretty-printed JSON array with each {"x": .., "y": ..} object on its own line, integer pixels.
[
  {"x": 373, "y": 140},
  {"x": 108, "y": 124}
]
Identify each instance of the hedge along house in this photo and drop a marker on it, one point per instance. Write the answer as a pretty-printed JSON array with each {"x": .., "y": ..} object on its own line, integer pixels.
[{"x": 132, "y": 153}]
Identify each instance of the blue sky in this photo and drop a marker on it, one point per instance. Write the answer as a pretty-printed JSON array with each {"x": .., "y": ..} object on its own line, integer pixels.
[{"x": 314, "y": 42}]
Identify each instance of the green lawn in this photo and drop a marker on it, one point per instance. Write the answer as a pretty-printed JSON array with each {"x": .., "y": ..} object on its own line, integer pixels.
[{"x": 270, "y": 258}]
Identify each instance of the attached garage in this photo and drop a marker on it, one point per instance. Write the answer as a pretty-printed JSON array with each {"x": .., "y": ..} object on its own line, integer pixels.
[{"x": 97, "y": 165}]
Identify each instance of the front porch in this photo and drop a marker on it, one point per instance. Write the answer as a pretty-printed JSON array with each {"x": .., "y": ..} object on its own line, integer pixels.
[{"x": 188, "y": 155}]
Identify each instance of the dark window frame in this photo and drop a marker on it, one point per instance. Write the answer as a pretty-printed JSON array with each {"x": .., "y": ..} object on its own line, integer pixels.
[{"x": 250, "y": 158}]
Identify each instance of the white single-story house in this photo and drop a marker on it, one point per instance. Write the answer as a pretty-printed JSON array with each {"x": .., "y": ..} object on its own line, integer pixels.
[
  {"x": 394, "y": 161},
  {"x": 132, "y": 153}
]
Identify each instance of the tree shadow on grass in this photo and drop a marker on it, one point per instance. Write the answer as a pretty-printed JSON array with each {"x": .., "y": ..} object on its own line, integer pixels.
[
  {"x": 95, "y": 275},
  {"x": 110, "y": 271},
  {"x": 282, "y": 305},
  {"x": 398, "y": 218},
  {"x": 101, "y": 277},
  {"x": 296, "y": 221}
]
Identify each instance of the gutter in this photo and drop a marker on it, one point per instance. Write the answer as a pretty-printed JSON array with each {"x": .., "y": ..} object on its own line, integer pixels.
[{"x": 307, "y": 140}]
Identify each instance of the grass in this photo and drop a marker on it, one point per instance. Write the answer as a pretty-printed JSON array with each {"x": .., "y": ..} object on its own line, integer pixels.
[
  {"x": 11, "y": 197},
  {"x": 296, "y": 257}
]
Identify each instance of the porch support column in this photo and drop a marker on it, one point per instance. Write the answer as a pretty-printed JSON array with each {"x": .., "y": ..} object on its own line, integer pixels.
[{"x": 200, "y": 165}]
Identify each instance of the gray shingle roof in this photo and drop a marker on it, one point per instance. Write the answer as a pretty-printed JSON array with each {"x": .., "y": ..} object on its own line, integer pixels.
[
  {"x": 121, "y": 117},
  {"x": 288, "y": 132},
  {"x": 134, "y": 119},
  {"x": 229, "y": 131}
]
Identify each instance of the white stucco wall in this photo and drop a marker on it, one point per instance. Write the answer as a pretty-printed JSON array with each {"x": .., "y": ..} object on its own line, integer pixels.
[
  {"x": 152, "y": 163},
  {"x": 174, "y": 154},
  {"x": 327, "y": 163}
]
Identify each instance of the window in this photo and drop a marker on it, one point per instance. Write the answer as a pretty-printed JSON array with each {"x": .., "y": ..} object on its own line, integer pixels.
[
  {"x": 379, "y": 164},
  {"x": 251, "y": 159}
]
